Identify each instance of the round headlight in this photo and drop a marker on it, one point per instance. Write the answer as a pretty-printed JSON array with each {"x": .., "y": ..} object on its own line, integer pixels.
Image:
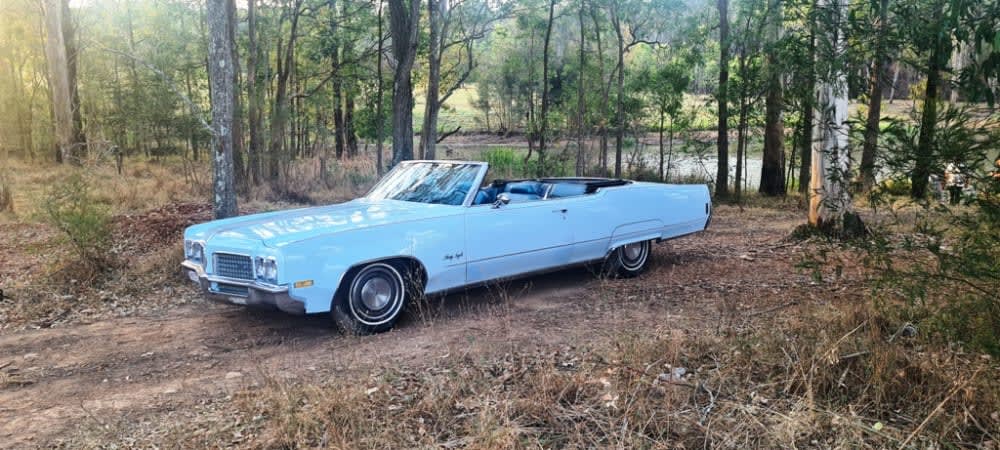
[
  {"x": 271, "y": 270},
  {"x": 194, "y": 251}
]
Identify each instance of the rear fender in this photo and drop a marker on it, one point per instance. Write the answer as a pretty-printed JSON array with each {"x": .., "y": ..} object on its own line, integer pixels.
[{"x": 636, "y": 232}]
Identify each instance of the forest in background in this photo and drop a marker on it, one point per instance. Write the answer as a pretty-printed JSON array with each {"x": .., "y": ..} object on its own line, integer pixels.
[{"x": 580, "y": 82}]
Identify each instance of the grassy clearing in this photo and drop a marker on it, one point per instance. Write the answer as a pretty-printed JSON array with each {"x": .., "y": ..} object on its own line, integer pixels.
[{"x": 834, "y": 376}]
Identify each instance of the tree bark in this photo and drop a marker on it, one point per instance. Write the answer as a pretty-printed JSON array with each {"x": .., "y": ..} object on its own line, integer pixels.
[
  {"x": 806, "y": 126},
  {"x": 581, "y": 108},
  {"x": 874, "y": 101},
  {"x": 404, "y": 18},
  {"x": 928, "y": 122},
  {"x": 79, "y": 144},
  {"x": 239, "y": 171},
  {"x": 660, "y": 129},
  {"x": 349, "y": 134},
  {"x": 543, "y": 128},
  {"x": 722, "y": 175},
  {"x": 220, "y": 69},
  {"x": 428, "y": 135},
  {"x": 253, "y": 96},
  {"x": 605, "y": 95},
  {"x": 279, "y": 112},
  {"x": 55, "y": 53},
  {"x": 830, "y": 198},
  {"x": 772, "y": 175},
  {"x": 620, "y": 103},
  {"x": 379, "y": 90}
]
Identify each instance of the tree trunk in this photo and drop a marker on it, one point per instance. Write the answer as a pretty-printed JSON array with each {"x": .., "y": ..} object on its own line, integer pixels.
[
  {"x": 662, "y": 115},
  {"x": 79, "y": 144},
  {"x": 806, "y": 126},
  {"x": 253, "y": 97},
  {"x": 874, "y": 101},
  {"x": 239, "y": 171},
  {"x": 895, "y": 79},
  {"x": 338, "y": 107},
  {"x": 279, "y": 112},
  {"x": 220, "y": 69},
  {"x": 830, "y": 199},
  {"x": 581, "y": 108},
  {"x": 620, "y": 104},
  {"x": 379, "y": 89},
  {"x": 670, "y": 149},
  {"x": 404, "y": 18},
  {"x": 772, "y": 175},
  {"x": 928, "y": 121},
  {"x": 605, "y": 95},
  {"x": 349, "y": 134},
  {"x": 722, "y": 175},
  {"x": 428, "y": 135},
  {"x": 55, "y": 54},
  {"x": 543, "y": 129}
]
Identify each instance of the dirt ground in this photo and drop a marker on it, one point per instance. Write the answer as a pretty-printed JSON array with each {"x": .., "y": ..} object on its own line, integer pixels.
[{"x": 173, "y": 362}]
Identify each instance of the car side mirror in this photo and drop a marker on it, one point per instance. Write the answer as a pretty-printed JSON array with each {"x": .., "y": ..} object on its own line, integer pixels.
[{"x": 502, "y": 199}]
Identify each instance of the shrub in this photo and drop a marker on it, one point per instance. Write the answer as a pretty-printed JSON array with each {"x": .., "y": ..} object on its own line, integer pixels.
[{"x": 71, "y": 207}]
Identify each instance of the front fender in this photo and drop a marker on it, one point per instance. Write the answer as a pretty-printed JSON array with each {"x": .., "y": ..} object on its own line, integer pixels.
[{"x": 326, "y": 260}]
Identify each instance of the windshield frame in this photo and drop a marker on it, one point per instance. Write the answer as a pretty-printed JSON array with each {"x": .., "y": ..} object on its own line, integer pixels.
[{"x": 469, "y": 196}]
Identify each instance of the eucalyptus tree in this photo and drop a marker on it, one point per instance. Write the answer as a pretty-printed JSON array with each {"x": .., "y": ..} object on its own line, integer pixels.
[
  {"x": 404, "y": 26},
  {"x": 59, "y": 80},
  {"x": 934, "y": 28},
  {"x": 829, "y": 197},
  {"x": 875, "y": 85},
  {"x": 221, "y": 67},
  {"x": 665, "y": 84},
  {"x": 722, "y": 174},
  {"x": 772, "y": 174},
  {"x": 635, "y": 22},
  {"x": 454, "y": 29}
]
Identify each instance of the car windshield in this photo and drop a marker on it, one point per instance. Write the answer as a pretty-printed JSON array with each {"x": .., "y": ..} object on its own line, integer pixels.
[{"x": 440, "y": 183}]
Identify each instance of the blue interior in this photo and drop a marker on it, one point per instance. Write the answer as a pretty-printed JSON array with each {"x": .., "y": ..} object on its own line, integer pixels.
[{"x": 529, "y": 190}]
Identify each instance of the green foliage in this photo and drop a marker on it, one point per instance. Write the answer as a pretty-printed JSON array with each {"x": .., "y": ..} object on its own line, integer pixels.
[
  {"x": 509, "y": 163},
  {"x": 943, "y": 262},
  {"x": 71, "y": 208}
]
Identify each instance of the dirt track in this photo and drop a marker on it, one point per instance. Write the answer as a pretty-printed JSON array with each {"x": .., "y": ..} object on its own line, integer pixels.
[{"x": 144, "y": 366}]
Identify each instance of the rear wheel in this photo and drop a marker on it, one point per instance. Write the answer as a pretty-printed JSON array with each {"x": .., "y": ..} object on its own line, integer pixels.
[
  {"x": 372, "y": 300},
  {"x": 629, "y": 260}
]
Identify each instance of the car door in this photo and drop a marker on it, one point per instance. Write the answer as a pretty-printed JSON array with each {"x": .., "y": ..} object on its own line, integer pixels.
[{"x": 516, "y": 238}]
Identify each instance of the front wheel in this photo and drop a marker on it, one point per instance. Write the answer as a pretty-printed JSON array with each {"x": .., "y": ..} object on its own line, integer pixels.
[
  {"x": 629, "y": 260},
  {"x": 372, "y": 301}
]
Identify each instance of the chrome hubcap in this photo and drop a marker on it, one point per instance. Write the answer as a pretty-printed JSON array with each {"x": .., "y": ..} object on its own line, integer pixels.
[
  {"x": 376, "y": 293},
  {"x": 633, "y": 251}
]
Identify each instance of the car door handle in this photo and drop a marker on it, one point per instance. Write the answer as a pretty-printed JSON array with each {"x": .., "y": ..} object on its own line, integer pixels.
[{"x": 561, "y": 211}]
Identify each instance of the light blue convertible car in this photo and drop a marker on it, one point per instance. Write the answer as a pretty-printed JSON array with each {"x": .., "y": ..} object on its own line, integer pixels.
[{"x": 430, "y": 227}]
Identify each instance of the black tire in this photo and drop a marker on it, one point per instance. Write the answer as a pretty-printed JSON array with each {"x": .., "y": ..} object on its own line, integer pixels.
[
  {"x": 629, "y": 261},
  {"x": 372, "y": 298}
]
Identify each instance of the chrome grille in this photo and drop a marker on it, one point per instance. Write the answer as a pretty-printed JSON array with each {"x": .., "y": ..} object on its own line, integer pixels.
[{"x": 233, "y": 266}]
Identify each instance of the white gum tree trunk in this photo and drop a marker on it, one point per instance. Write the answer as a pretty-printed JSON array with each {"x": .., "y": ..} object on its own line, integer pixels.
[{"x": 830, "y": 198}]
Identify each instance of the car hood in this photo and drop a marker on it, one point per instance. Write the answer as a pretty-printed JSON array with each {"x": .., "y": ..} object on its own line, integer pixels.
[{"x": 280, "y": 228}]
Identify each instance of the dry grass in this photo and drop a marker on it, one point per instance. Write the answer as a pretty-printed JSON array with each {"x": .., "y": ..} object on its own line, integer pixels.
[{"x": 832, "y": 377}]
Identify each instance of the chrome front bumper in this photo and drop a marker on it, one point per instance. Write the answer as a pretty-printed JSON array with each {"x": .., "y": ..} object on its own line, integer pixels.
[{"x": 242, "y": 292}]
